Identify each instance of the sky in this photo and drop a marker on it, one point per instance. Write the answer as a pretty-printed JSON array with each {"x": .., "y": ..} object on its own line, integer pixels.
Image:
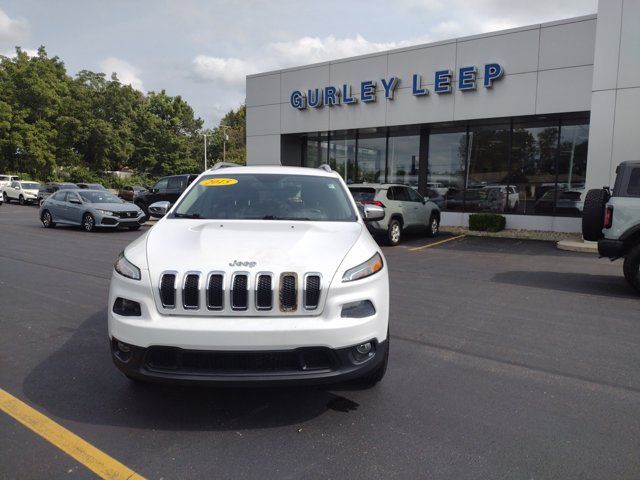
[{"x": 203, "y": 49}]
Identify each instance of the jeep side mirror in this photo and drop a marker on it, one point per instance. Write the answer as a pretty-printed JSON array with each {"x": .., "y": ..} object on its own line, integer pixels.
[
  {"x": 372, "y": 213},
  {"x": 159, "y": 209}
]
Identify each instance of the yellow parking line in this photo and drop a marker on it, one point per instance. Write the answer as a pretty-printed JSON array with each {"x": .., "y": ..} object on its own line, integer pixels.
[
  {"x": 428, "y": 245},
  {"x": 88, "y": 455}
]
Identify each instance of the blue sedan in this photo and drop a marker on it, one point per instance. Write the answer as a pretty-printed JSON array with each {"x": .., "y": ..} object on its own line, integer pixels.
[{"x": 90, "y": 209}]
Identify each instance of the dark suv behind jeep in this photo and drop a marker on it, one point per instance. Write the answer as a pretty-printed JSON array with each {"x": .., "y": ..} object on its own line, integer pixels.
[{"x": 166, "y": 189}]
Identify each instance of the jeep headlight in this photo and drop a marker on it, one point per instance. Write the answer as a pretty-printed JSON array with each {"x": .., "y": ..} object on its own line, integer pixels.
[
  {"x": 106, "y": 212},
  {"x": 125, "y": 268},
  {"x": 366, "y": 269}
]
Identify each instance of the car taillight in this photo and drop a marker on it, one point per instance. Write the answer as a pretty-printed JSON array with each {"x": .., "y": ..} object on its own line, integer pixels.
[
  {"x": 608, "y": 216},
  {"x": 374, "y": 202}
]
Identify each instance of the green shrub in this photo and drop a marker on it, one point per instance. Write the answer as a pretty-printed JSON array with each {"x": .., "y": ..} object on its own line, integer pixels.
[{"x": 487, "y": 222}]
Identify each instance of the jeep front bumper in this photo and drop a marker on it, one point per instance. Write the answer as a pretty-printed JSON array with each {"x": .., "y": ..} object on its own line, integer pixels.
[{"x": 306, "y": 365}]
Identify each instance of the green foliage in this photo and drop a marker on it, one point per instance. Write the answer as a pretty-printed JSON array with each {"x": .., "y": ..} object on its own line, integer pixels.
[
  {"x": 487, "y": 222},
  {"x": 55, "y": 127}
]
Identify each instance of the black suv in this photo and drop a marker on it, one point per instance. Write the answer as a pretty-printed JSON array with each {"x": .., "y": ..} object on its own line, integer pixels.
[{"x": 166, "y": 189}]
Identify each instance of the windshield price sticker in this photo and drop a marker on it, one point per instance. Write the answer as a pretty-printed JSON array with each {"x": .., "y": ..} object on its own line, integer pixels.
[{"x": 218, "y": 182}]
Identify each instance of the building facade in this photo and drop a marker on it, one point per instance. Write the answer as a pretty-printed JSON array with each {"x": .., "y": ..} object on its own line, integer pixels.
[{"x": 519, "y": 122}]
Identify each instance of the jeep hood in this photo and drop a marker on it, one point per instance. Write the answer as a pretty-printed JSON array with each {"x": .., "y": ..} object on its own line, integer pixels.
[{"x": 275, "y": 246}]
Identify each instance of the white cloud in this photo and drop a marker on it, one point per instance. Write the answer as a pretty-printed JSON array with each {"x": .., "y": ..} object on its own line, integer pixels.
[
  {"x": 127, "y": 73},
  {"x": 32, "y": 52},
  {"x": 448, "y": 19},
  {"x": 305, "y": 50},
  {"x": 228, "y": 70},
  {"x": 12, "y": 30}
]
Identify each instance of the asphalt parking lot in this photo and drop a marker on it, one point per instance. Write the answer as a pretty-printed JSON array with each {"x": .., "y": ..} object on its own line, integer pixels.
[{"x": 509, "y": 360}]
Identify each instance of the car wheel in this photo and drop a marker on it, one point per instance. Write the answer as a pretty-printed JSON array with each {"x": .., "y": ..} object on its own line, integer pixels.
[
  {"x": 47, "y": 220},
  {"x": 88, "y": 222},
  {"x": 394, "y": 232},
  {"x": 5, "y": 197},
  {"x": 137, "y": 227},
  {"x": 593, "y": 214},
  {"x": 631, "y": 267},
  {"x": 372, "y": 378},
  {"x": 21, "y": 200},
  {"x": 434, "y": 226}
]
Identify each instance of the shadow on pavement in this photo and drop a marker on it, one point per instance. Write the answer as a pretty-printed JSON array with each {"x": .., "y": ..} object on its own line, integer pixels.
[
  {"x": 604, "y": 285},
  {"x": 79, "y": 382}
]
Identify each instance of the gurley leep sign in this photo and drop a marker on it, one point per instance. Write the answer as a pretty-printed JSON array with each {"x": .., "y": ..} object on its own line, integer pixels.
[{"x": 467, "y": 79}]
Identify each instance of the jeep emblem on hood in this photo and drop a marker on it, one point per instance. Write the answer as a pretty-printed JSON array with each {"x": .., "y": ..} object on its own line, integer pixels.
[{"x": 237, "y": 263}]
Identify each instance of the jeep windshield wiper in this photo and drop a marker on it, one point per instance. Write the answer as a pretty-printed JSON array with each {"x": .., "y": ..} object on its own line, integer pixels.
[
  {"x": 187, "y": 215},
  {"x": 275, "y": 217}
]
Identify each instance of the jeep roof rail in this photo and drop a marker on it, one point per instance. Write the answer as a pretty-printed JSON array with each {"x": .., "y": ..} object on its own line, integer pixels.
[
  {"x": 325, "y": 167},
  {"x": 220, "y": 165}
]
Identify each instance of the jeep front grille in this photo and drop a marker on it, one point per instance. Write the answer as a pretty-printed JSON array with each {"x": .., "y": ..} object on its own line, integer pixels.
[
  {"x": 168, "y": 290},
  {"x": 262, "y": 293},
  {"x": 215, "y": 292},
  {"x": 288, "y": 292},
  {"x": 240, "y": 291},
  {"x": 311, "y": 291},
  {"x": 191, "y": 291}
]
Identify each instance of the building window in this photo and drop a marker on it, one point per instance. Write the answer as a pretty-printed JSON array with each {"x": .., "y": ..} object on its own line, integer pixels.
[
  {"x": 404, "y": 158},
  {"x": 371, "y": 158},
  {"x": 524, "y": 166},
  {"x": 572, "y": 168},
  {"x": 487, "y": 187},
  {"x": 532, "y": 171},
  {"x": 342, "y": 153},
  {"x": 447, "y": 159}
]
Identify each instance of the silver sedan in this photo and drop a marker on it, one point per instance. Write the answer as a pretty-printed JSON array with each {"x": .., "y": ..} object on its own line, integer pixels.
[{"x": 90, "y": 209}]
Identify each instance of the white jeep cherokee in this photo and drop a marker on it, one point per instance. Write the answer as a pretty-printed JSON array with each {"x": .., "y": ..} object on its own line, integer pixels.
[{"x": 259, "y": 275}]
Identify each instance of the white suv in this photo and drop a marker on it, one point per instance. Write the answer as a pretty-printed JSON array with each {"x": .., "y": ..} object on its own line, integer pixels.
[
  {"x": 21, "y": 191},
  {"x": 261, "y": 275},
  {"x": 405, "y": 209}
]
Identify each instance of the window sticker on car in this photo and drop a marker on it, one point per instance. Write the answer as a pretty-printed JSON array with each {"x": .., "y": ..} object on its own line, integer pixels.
[{"x": 218, "y": 182}]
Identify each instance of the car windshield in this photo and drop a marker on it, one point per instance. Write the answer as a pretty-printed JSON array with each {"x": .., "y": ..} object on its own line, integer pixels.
[
  {"x": 68, "y": 186},
  {"x": 30, "y": 185},
  {"x": 362, "y": 194},
  {"x": 267, "y": 197},
  {"x": 99, "y": 196}
]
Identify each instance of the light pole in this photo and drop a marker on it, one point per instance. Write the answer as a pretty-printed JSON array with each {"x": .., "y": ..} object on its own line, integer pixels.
[{"x": 205, "y": 149}]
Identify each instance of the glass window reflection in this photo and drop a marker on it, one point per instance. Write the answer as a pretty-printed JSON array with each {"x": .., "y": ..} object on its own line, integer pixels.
[
  {"x": 487, "y": 188},
  {"x": 446, "y": 173},
  {"x": 404, "y": 159},
  {"x": 371, "y": 159}
]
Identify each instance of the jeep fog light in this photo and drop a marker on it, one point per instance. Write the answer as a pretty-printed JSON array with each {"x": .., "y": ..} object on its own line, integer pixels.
[
  {"x": 126, "y": 308},
  {"x": 364, "y": 348},
  {"x": 361, "y": 309}
]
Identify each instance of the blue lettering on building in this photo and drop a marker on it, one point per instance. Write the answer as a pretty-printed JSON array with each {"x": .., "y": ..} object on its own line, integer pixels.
[
  {"x": 467, "y": 78},
  {"x": 416, "y": 87},
  {"x": 368, "y": 91},
  {"x": 444, "y": 81}
]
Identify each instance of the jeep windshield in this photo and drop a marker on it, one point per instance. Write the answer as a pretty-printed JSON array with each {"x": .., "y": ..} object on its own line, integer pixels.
[{"x": 267, "y": 197}]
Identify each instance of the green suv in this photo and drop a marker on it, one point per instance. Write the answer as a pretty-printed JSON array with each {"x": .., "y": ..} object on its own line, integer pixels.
[{"x": 612, "y": 218}]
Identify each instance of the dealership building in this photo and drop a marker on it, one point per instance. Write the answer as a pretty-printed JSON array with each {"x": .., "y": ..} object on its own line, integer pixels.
[{"x": 519, "y": 122}]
